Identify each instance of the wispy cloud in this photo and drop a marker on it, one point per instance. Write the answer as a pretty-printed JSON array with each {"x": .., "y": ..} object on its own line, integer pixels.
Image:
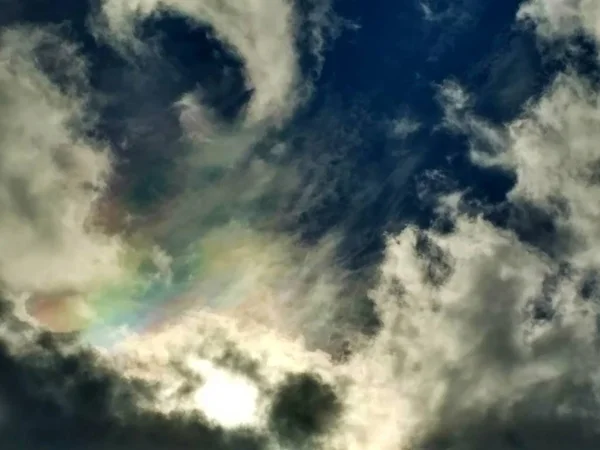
[{"x": 263, "y": 34}]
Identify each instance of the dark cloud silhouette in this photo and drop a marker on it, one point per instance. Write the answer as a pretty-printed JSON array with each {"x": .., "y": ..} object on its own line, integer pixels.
[
  {"x": 55, "y": 394},
  {"x": 303, "y": 408}
]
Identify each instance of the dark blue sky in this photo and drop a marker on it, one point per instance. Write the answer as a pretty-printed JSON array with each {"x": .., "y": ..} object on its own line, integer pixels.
[{"x": 392, "y": 64}]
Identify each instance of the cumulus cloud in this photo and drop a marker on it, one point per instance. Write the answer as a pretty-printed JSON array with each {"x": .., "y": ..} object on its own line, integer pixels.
[
  {"x": 562, "y": 18},
  {"x": 488, "y": 335},
  {"x": 52, "y": 173},
  {"x": 495, "y": 337}
]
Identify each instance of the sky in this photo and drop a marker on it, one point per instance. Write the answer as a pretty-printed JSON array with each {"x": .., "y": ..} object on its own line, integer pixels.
[{"x": 299, "y": 224}]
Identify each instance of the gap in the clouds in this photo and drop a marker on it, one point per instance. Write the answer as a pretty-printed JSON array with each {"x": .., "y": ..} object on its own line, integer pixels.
[
  {"x": 200, "y": 60},
  {"x": 141, "y": 113},
  {"x": 356, "y": 182},
  {"x": 508, "y": 77},
  {"x": 365, "y": 182},
  {"x": 409, "y": 54},
  {"x": 189, "y": 52},
  {"x": 519, "y": 69},
  {"x": 404, "y": 53},
  {"x": 582, "y": 58}
]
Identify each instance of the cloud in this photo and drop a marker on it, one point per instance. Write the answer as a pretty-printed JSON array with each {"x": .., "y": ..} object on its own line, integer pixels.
[
  {"x": 303, "y": 407},
  {"x": 478, "y": 361},
  {"x": 67, "y": 396},
  {"x": 263, "y": 34},
  {"x": 52, "y": 173},
  {"x": 559, "y": 19},
  {"x": 64, "y": 394},
  {"x": 445, "y": 22},
  {"x": 219, "y": 179},
  {"x": 494, "y": 337},
  {"x": 404, "y": 127}
]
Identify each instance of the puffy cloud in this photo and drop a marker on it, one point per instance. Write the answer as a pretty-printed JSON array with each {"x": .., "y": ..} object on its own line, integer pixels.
[
  {"x": 56, "y": 393},
  {"x": 487, "y": 334},
  {"x": 562, "y": 18},
  {"x": 52, "y": 173},
  {"x": 495, "y": 337}
]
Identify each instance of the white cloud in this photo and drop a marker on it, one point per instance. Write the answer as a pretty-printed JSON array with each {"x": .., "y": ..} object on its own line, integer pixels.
[
  {"x": 551, "y": 148},
  {"x": 404, "y": 126},
  {"x": 262, "y": 33},
  {"x": 463, "y": 351},
  {"x": 562, "y": 18},
  {"x": 467, "y": 357},
  {"x": 51, "y": 174}
]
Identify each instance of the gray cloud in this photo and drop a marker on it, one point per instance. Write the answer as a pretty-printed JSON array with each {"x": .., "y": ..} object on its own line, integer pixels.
[{"x": 58, "y": 394}]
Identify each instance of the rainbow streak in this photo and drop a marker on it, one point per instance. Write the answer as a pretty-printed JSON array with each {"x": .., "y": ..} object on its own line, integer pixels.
[{"x": 224, "y": 269}]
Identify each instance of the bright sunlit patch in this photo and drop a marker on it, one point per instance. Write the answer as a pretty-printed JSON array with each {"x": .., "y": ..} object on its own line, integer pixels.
[{"x": 226, "y": 398}]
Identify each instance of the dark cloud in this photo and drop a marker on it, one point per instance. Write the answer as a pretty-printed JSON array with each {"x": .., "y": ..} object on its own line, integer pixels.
[
  {"x": 515, "y": 428},
  {"x": 57, "y": 395},
  {"x": 437, "y": 263},
  {"x": 304, "y": 407}
]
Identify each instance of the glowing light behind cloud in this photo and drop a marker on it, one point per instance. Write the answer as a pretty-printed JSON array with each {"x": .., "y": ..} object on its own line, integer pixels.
[{"x": 229, "y": 399}]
